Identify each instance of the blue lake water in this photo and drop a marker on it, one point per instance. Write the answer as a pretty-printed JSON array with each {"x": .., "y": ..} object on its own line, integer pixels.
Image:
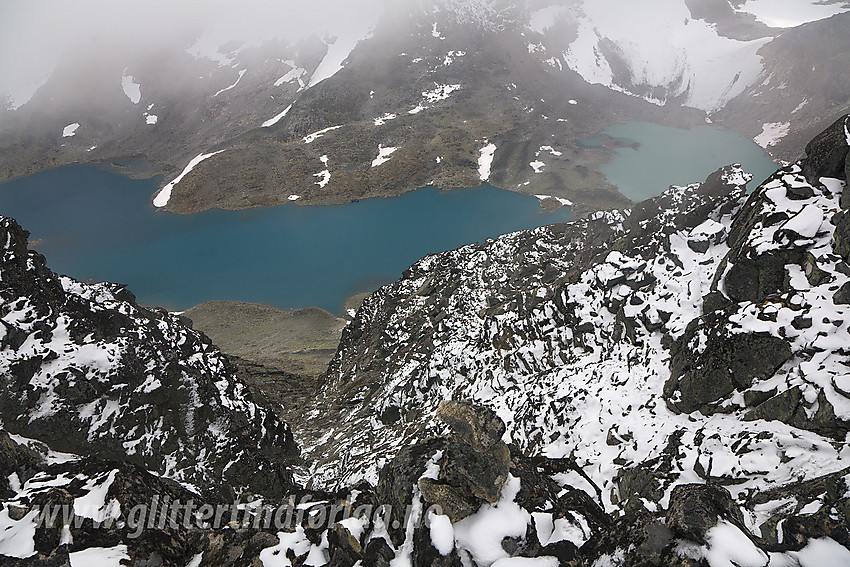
[
  {"x": 673, "y": 156},
  {"x": 97, "y": 225}
]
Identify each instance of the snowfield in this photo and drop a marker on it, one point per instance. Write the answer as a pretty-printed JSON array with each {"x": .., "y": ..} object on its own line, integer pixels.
[
  {"x": 131, "y": 88},
  {"x": 70, "y": 130},
  {"x": 681, "y": 58}
]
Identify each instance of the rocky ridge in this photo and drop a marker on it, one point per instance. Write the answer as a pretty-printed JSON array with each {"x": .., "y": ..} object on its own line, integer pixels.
[
  {"x": 700, "y": 338},
  {"x": 464, "y": 498},
  {"x": 87, "y": 370}
]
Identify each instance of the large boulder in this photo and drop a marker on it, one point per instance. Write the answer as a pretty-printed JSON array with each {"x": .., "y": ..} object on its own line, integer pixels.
[
  {"x": 754, "y": 279},
  {"x": 475, "y": 463},
  {"x": 826, "y": 154},
  {"x": 695, "y": 508},
  {"x": 708, "y": 363}
]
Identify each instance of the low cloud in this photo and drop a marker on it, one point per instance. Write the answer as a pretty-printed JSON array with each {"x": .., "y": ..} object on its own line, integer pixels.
[{"x": 36, "y": 36}]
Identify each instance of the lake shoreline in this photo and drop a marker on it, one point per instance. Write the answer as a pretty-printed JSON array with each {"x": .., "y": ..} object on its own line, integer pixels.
[{"x": 99, "y": 226}]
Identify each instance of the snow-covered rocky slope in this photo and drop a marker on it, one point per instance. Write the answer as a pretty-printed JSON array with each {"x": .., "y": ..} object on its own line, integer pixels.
[
  {"x": 87, "y": 370},
  {"x": 702, "y": 337},
  {"x": 802, "y": 83}
]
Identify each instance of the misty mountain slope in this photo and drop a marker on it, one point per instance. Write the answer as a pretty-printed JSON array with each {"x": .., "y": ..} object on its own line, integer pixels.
[
  {"x": 414, "y": 95},
  {"x": 685, "y": 60},
  {"x": 164, "y": 107},
  {"x": 416, "y": 104},
  {"x": 804, "y": 80},
  {"x": 700, "y": 338},
  {"x": 87, "y": 370}
]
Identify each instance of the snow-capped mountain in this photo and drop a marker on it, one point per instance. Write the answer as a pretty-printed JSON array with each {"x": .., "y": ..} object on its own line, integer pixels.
[
  {"x": 702, "y": 337},
  {"x": 413, "y": 97}
]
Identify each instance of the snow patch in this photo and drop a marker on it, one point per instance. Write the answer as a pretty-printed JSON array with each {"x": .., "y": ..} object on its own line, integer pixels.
[
  {"x": 441, "y": 92},
  {"x": 847, "y": 130},
  {"x": 485, "y": 161},
  {"x": 482, "y": 533},
  {"x": 276, "y": 556},
  {"x": 164, "y": 194},
  {"x": 310, "y": 138},
  {"x": 17, "y": 537},
  {"x": 807, "y": 222},
  {"x": 822, "y": 551},
  {"x": 337, "y": 53},
  {"x": 276, "y": 118},
  {"x": 381, "y": 120},
  {"x": 131, "y": 88},
  {"x": 451, "y": 55},
  {"x": 70, "y": 130},
  {"x": 442, "y": 533},
  {"x": 239, "y": 78},
  {"x": 150, "y": 119},
  {"x": 100, "y": 557},
  {"x": 383, "y": 155},
  {"x": 94, "y": 505},
  {"x": 728, "y": 546},
  {"x": 564, "y": 202},
  {"x": 294, "y": 74},
  {"x": 772, "y": 133},
  {"x": 325, "y": 175}
]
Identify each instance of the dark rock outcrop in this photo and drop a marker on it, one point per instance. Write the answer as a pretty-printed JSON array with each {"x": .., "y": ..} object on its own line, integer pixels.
[
  {"x": 826, "y": 154},
  {"x": 87, "y": 370},
  {"x": 702, "y": 374},
  {"x": 695, "y": 508},
  {"x": 475, "y": 461}
]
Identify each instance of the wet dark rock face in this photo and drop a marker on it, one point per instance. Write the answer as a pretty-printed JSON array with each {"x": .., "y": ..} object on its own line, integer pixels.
[{"x": 826, "y": 154}]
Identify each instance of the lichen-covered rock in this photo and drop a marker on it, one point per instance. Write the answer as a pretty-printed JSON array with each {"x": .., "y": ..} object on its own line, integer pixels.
[
  {"x": 474, "y": 464},
  {"x": 754, "y": 279},
  {"x": 781, "y": 407}
]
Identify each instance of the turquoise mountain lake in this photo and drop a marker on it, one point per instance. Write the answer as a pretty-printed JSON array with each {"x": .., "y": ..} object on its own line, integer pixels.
[
  {"x": 97, "y": 225},
  {"x": 671, "y": 156}
]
